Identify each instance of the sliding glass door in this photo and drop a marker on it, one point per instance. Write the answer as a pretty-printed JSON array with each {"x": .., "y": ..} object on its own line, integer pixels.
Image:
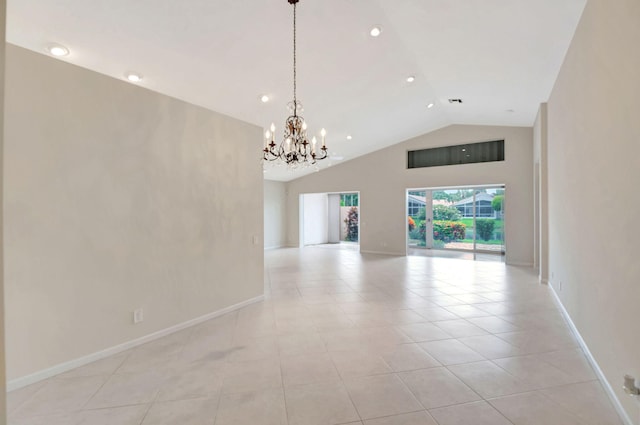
[
  {"x": 461, "y": 219},
  {"x": 419, "y": 219}
]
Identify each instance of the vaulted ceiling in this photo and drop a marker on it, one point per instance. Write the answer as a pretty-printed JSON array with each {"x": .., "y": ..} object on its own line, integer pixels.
[{"x": 501, "y": 57}]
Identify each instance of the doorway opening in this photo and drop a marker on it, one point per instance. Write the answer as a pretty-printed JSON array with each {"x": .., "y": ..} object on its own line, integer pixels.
[
  {"x": 330, "y": 220},
  {"x": 462, "y": 222}
]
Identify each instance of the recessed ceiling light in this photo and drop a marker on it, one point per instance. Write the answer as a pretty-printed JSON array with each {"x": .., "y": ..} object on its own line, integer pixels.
[
  {"x": 264, "y": 98},
  {"x": 57, "y": 50},
  {"x": 134, "y": 78},
  {"x": 411, "y": 79},
  {"x": 431, "y": 105},
  {"x": 349, "y": 137},
  {"x": 375, "y": 31}
]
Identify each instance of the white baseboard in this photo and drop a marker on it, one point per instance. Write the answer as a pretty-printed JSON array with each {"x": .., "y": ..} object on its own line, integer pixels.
[
  {"x": 603, "y": 380},
  {"x": 401, "y": 254},
  {"x": 266, "y": 248},
  {"x": 17, "y": 383},
  {"x": 519, "y": 264}
]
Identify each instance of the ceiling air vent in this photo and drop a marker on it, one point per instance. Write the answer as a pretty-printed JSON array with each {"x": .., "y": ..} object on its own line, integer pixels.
[{"x": 455, "y": 100}]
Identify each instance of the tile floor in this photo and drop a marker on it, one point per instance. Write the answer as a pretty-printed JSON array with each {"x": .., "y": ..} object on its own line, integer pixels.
[{"x": 345, "y": 338}]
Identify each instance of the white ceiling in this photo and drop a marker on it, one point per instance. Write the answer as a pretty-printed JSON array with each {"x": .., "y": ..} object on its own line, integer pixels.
[{"x": 496, "y": 55}]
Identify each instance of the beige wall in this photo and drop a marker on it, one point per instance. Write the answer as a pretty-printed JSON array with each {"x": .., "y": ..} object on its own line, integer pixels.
[
  {"x": 541, "y": 193},
  {"x": 119, "y": 198},
  {"x": 275, "y": 201},
  {"x": 382, "y": 179},
  {"x": 594, "y": 177},
  {"x": 3, "y": 380}
]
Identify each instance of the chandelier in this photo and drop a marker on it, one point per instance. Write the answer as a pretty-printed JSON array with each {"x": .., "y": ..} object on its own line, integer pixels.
[{"x": 295, "y": 150}]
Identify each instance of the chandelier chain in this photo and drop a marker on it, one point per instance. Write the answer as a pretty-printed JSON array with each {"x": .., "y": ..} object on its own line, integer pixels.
[{"x": 295, "y": 87}]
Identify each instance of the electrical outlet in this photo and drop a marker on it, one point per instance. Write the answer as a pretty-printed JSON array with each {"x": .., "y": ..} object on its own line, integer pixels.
[
  {"x": 630, "y": 386},
  {"x": 138, "y": 316}
]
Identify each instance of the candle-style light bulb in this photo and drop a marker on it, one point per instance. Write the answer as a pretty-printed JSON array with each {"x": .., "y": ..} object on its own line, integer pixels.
[
  {"x": 304, "y": 125},
  {"x": 267, "y": 138},
  {"x": 313, "y": 144},
  {"x": 323, "y": 133}
]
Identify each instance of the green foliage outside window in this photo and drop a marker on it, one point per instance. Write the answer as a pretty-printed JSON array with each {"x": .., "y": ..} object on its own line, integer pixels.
[
  {"x": 349, "y": 200},
  {"x": 484, "y": 228},
  {"x": 352, "y": 225},
  {"x": 448, "y": 231},
  {"x": 497, "y": 202},
  {"x": 446, "y": 212},
  {"x": 445, "y": 231}
]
